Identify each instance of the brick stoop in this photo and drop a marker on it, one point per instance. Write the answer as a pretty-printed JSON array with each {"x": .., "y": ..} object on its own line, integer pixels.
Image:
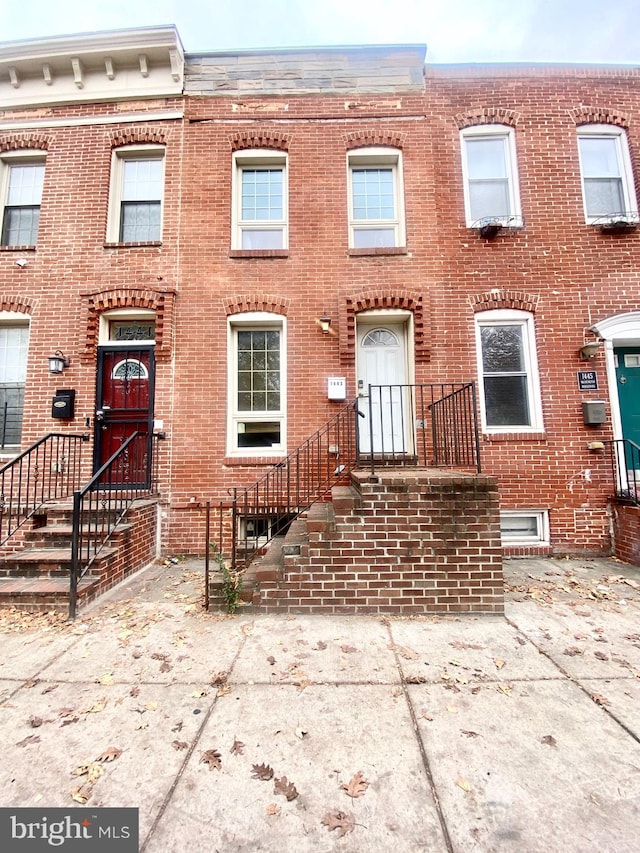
[
  {"x": 409, "y": 541},
  {"x": 38, "y": 576}
]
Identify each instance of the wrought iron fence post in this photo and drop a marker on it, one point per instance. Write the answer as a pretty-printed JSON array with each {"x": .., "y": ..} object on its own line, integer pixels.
[
  {"x": 75, "y": 555},
  {"x": 207, "y": 527},
  {"x": 234, "y": 530}
]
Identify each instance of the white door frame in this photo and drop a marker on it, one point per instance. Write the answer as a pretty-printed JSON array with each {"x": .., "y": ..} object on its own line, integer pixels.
[{"x": 619, "y": 330}]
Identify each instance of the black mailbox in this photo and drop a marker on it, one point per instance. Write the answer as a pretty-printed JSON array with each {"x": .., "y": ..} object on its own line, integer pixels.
[{"x": 63, "y": 403}]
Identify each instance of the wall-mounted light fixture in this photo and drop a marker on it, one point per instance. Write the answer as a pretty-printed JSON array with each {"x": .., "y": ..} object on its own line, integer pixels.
[
  {"x": 58, "y": 362},
  {"x": 325, "y": 324},
  {"x": 590, "y": 350}
]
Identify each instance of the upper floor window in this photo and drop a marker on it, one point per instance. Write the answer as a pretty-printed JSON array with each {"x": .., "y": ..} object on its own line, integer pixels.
[
  {"x": 260, "y": 215},
  {"x": 490, "y": 175},
  {"x": 607, "y": 179},
  {"x": 21, "y": 179},
  {"x": 376, "y": 204},
  {"x": 509, "y": 387},
  {"x": 137, "y": 181}
]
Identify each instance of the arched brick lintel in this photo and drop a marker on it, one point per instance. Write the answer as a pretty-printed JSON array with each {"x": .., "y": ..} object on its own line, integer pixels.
[
  {"x": 17, "y": 304},
  {"x": 245, "y": 303},
  {"x": 260, "y": 138},
  {"x": 161, "y": 302},
  {"x": 24, "y": 142},
  {"x": 492, "y": 300},
  {"x": 598, "y": 115},
  {"x": 374, "y": 137},
  {"x": 354, "y": 304},
  {"x": 487, "y": 115}
]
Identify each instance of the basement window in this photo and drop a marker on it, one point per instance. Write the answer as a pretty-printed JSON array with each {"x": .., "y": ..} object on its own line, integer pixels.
[{"x": 524, "y": 527}]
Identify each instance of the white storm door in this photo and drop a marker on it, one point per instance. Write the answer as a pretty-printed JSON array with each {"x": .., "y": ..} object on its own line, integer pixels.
[{"x": 382, "y": 373}]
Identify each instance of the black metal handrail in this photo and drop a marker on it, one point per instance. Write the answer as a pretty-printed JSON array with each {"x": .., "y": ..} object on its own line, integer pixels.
[
  {"x": 50, "y": 469},
  {"x": 101, "y": 505},
  {"x": 624, "y": 458},
  {"x": 265, "y": 509},
  {"x": 433, "y": 424},
  {"x": 428, "y": 425}
]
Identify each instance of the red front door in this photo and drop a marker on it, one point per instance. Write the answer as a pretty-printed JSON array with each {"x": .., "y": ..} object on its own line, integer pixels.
[{"x": 124, "y": 405}]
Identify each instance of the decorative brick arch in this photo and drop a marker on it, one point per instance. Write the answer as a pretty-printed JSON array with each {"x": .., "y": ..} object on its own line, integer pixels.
[
  {"x": 369, "y": 300},
  {"x": 486, "y": 115},
  {"x": 598, "y": 115},
  {"x": 260, "y": 138},
  {"x": 374, "y": 137},
  {"x": 138, "y": 135},
  {"x": 24, "y": 141},
  {"x": 242, "y": 304},
  {"x": 162, "y": 302},
  {"x": 491, "y": 300},
  {"x": 17, "y": 304}
]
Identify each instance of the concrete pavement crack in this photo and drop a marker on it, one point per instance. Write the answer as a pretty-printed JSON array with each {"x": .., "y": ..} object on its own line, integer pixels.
[
  {"x": 167, "y": 798},
  {"x": 423, "y": 752}
]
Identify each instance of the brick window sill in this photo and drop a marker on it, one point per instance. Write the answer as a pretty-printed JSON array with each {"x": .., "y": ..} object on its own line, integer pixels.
[
  {"x": 252, "y": 461},
  {"x": 492, "y": 437},
  {"x": 17, "y": 248},
  {"x": 378, "y": 251},
  {"x": 258, "y": 253},
  {"x": 140, "y": 245}
]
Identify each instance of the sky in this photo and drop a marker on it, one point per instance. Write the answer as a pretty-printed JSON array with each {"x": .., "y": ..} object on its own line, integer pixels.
[{"x": 455, "y": 31}]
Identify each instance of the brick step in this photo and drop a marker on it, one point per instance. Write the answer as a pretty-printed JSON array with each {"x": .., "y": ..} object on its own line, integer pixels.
[
  {"x": 44, "y": 593},
  {"x": 48, "y": 563},
  {"x": 59, "y": 535}
]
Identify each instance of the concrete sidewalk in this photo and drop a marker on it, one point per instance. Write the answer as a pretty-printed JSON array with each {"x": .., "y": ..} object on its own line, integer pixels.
[{"x": 267, "y": 733}]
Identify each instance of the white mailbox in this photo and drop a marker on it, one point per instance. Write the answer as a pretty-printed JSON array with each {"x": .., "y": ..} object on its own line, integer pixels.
[{"x": 337, "y": 388}]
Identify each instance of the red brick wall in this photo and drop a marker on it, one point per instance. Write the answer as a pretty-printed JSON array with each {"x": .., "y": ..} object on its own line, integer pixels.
[
  {"x": 423, "y": 542},
  {"x": 626, "y": 532}
]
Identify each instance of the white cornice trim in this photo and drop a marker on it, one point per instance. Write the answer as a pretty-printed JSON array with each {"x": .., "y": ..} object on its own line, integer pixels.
[
  {"x": 85, "y": 121},
  {"x": 140, "y": 38}
]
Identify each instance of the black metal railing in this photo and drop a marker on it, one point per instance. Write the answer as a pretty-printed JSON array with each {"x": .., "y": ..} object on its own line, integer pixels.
[
  {"x": 50, "y": 469},
  {"x": 265, "y": 509},
  {"x": 624, "y": 458},
  {"x": 11, "y": 409},
  {"x": 101, "y": 505},
  {"x": 428, "y": 425}
]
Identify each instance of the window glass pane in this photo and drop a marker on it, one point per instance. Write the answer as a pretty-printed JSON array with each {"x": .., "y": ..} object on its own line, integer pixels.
[
  {"x": 603, "y": 196},
  {"x": 262, "y": 197},
  {"x": 14, "y": 344},
  {"x": 25, "y": 184},
  {"x": 373, "y": 196},
  {"x": 132, "y": 330},
  {"x": 142, "y": 180},
  {"x": 140, "y": 222},
  {"x": 502, "y": 349},
  {"x": 258, "y": 363},
  {"x": 367, "y": 238},
  {"x": 20, "y": 226},
  {"x": 486, "y": 158},
  {"x": 506, "y": 401},
  {"x": 519, "y": 527},
  {"x": 599, "y": 157},
  {"x": 267, "y": 239},
  {"x": 258, "y": 434},
  {"x": 489, "y": 199}
]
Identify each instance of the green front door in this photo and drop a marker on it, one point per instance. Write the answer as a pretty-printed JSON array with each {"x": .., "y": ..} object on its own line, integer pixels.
[{"x": 628, "y": 379}]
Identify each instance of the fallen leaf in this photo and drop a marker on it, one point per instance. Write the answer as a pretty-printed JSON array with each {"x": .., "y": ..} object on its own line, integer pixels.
[
  {"x": 105, "y": 678},
  {"x": 32, "y": 682},
  {"x": 549, "y": 740},
  {"x": 143, "y": 724},
  {"x": 286, "y": 788},
  {"x": 460, "y": 644},
  {"x": 463, "y": 783},
  {"x": 263, "y": 772},
  {"x": 198, "y": 694},
  {"x": 601, "y": 656},
  {"x": 425, "y": 716},
  {"x": 223, "y": 690},
  {"x": 416, "y": 679},
  {"x": 468, "y": 733},
  {"x": 504, "y": 688},
  {"x": 219, "y": 678},
  {"x": 151, "y": 706},
  {"x": 110, "y": 754},
  {"x": 271, "y": 660},
  {"x": 598, "y": 699},
  {"x": 348, "y": 649},
  {"x": 164, "y": 666},
  {"x": 452, "y": 709},
  {"x": 135, "y": 691},
  {"x": 82, "y": 793},
  {"x": 237, "y": 748},
  {"x": 92, "y": 770},
  {"x": 177, "y": 727},
  {"x": 356, "y": 787},
  {"x": 272, "y": 809},
  {"x": 100, "y": 705},
  {"x": 499, "y": 663},
  {"x": 179, "y": 744},
  {"x": 213, "y": 758},
  {"x": 35, "y": 722},
  {"x": 320, "y": 646},
  {"x": 572, "y": 651},
  {"x": 344, "y": 822},
  {"x": 49, "y": 688},
  {"x": 300, "y": 733},
  {"x": 29, "y": 739},
  {"x": 407, "y": 653}
]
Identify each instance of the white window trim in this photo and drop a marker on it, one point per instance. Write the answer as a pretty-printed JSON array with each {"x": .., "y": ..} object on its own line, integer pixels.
[
  {"x": 16, "y": 158},
  {"x": 624, "y": 161},
  {"x": 16, "y": 318},
  {"x": 255, "y": 320},
  {"x": 258, "y": 158},
  {"x": 510, "y": 317},
  {"x": 542, "y": 525},
  {"x": 507, "y": 134},
  {"x": 371, "y": 158},
  {"x": 123, "y": 314},
  {"x": 118, "y": 158}
]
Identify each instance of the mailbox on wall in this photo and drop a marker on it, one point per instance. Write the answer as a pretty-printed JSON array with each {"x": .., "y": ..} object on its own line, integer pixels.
[
  {"x": 593, "y": 412},
  {"x": 63, "y": 403}
]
